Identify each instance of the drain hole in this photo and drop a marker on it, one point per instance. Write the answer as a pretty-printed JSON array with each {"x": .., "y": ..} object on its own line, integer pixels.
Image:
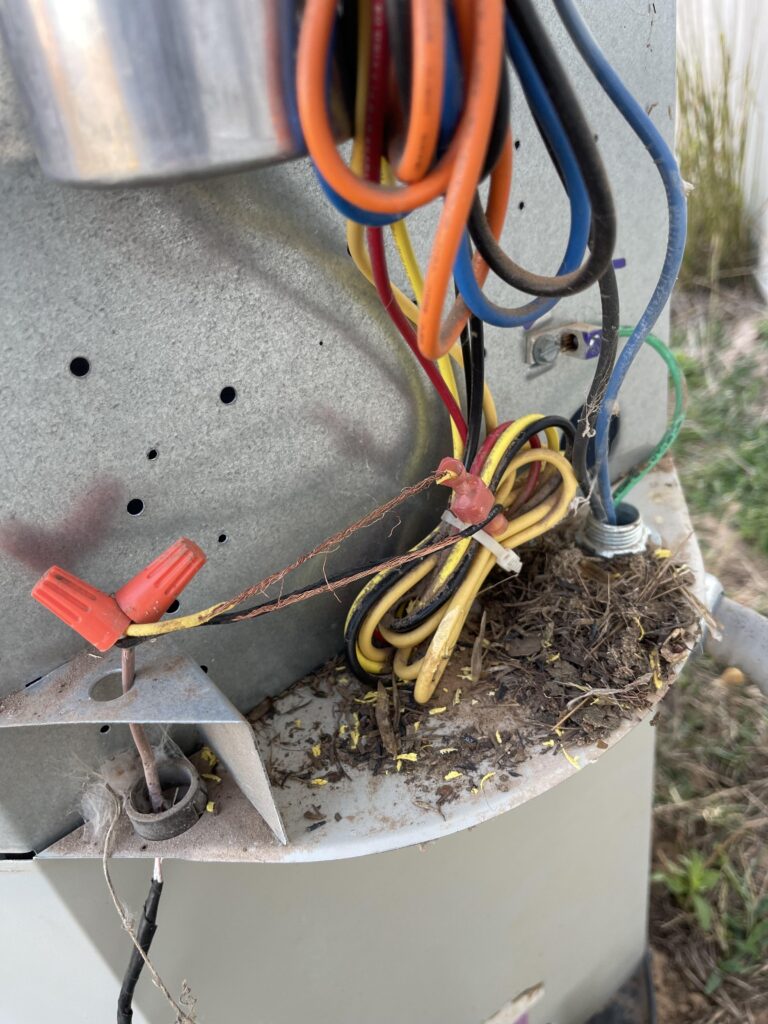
[
  {"x": 135, "y": 507},
  {"x": 79, "y": 367},
  {"x": 227, "y": 395}
]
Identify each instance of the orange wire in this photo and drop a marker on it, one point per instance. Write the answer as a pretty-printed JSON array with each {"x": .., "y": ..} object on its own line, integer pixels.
[
  {"x": 314, "y": 40},
  {"x": 427, "y": 70},
  {"x": 495, "y": 212},
  {"x": 472, "y": 142}
]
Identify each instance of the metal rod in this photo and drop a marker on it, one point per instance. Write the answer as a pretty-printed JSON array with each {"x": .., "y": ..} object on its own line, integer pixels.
[{"x": 147, "y": 755}]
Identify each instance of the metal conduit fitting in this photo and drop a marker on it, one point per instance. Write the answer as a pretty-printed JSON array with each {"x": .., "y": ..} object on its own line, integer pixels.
[{"x": 628, "y": 536}]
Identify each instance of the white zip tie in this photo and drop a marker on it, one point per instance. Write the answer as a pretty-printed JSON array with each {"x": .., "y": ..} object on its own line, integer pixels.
[{"x": 506, "y": 558}]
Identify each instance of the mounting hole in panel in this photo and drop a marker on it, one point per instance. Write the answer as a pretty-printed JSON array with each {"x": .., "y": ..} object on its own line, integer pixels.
[
  {"x": 104, "y": 728},
  {"x": 152, "y": 454},
  {"x": 135, "y": 507},
  {"x": 109, "y": 687},
  {"x": 80, "y": 367},
  {"x": 227, "y": 395},
  {"x": 173, "y": 606},
  {"x": 223, "y": 538}
]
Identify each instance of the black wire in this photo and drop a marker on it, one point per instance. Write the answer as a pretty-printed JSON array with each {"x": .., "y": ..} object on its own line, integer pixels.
[
  {"x": 500, "y": 126},
  {"x": 345, "y": 55},
  {"x": 366, "y": 603},
  {"x": 522, "y": 439},
  {"x": 590, "y": 163},
  {"x": 144, "y": 935},
  {"x": 473, "y": 352},
  {"x": 609, "y": 342},
  {"x": 406, "y": 623},
  {"x": 399, "y": 32}
]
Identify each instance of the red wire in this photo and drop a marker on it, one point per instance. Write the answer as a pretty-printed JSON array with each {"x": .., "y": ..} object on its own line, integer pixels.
[
  {"x": 374, "y": 130},
  {"x": 534, "y": 472}
]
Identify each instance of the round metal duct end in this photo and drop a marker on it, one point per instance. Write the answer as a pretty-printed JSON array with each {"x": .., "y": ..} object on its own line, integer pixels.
[
  {"x": 628, "y": 537},
  {"x": 188, "y": 804}
]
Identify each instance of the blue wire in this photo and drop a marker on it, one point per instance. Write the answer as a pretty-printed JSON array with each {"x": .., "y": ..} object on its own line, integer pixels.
[
  {"x": 581, "y": 213},
  {"x": 667, "y": 167}
]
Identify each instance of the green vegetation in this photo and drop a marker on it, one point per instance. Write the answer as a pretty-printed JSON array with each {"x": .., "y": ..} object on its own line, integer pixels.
[
  {"x": 722, "y": 447},
  {"x": 710, "y": 904},
  {"x": 712, "y": 131}
]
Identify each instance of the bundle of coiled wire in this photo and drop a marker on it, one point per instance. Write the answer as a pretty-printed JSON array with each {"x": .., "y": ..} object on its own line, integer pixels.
[
  {"x": 431, "y": 118},
  {"x": 428, "y": 89}
]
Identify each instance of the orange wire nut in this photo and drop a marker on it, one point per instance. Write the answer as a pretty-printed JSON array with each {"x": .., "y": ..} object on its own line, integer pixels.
[{"x": 102, "y": 619}]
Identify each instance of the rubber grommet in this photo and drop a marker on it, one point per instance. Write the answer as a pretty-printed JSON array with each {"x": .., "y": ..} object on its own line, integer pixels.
[{"x": 186, "y": 810}]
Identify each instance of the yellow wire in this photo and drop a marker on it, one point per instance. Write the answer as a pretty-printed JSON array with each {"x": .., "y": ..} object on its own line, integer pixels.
[
  {"x": 519, "y": 532},
  {"x": 445, "y": 625},
  {"x": 490, "y": 466}
]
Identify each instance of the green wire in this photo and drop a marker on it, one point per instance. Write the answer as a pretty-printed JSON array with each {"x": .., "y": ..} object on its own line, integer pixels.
[{"x": 670, "y": 434}]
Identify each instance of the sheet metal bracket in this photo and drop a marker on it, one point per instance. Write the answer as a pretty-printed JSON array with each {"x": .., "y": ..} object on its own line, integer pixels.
[{"x": 169, "y": 689}]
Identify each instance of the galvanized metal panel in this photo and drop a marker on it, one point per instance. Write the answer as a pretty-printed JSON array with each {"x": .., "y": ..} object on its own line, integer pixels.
[{"x": 173, "y": 293}]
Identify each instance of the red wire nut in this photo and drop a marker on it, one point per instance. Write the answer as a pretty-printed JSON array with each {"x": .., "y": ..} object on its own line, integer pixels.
[
  {"x": 474, "y": 499},
  {"x": 102, "y": 619}
]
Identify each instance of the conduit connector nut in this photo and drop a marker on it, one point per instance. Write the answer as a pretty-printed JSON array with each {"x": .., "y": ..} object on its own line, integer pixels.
[
  {"x": 102, "y": 619},
  {"x": 474, "y": 499},
  {"x": 629, "y": 536},
  {"x": 188, "y": 806}
]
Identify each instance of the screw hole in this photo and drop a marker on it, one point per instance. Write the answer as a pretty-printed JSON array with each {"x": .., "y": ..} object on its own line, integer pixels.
[
  {"x": 104, "y": 728},
  {"x": 223, "y": 538},
  {"x": 152, "y": 454},
  {"x": 569, "y": 342},
  {"x": 135, "y": 507},
  {"x": 79, "y": 367},
  {"x": 173, "y": 606},
  {"x": 228, "y": 395}
]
